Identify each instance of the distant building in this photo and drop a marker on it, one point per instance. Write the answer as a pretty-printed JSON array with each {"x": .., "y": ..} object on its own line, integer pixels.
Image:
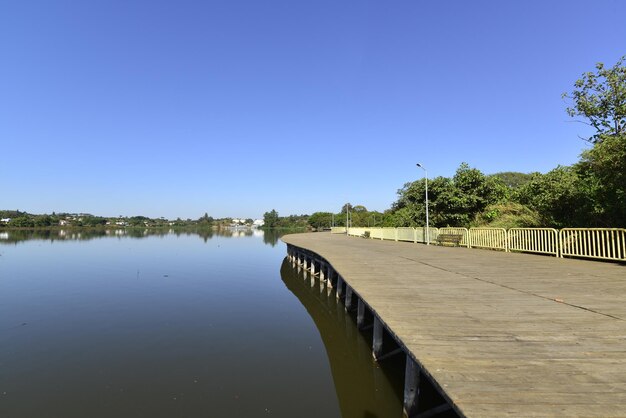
[
  {"x": 5, "y": 220},
  {"x": 258, "y": 222}
]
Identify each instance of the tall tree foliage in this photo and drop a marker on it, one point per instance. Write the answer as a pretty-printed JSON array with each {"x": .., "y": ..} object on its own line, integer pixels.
[
  {"x": 605, "y": 167},
  {"x": 270, "y": 219},
  {"x": 561, "y": 197},
  {"x": 600, "y": 98},
  {"x": 452, "y": 201}
]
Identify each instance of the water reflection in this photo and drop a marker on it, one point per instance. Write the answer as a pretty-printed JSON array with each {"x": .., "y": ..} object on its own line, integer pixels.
[
  {"x": 175, "y": 327},
  {"x": 365, "y": 389},
  {"x": 156, "y": 327},
  {"x": 14, "y": 236}
]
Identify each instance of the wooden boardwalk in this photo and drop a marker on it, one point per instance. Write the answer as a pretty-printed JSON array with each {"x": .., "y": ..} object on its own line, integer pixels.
[{"x": 502, "y": 334}]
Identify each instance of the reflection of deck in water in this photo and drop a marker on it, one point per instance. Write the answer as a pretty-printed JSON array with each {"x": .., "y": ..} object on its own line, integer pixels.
[
  {"x": 497, "y": 333},
  {"x": 364, "y": 389}
]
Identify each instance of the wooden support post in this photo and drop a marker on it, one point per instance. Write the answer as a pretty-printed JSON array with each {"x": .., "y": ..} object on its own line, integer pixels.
[
  {"x": 339, "y": 287},
  {"x": 377, "y": 341},
  {"x": 360, "y": 314},
  {"x": 312, "y": 267},
  {"x": 322, "y": 271},
  {"x": 330, "y": 276},
  {"x": 348, "y": 300},
  {"x": 411, "y": 387},
  {"x": 300, "y": 262}
]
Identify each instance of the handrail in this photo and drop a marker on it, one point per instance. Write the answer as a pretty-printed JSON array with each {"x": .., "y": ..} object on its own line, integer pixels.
[
  {"x": 491, "y": 238},
  {"x": 602, "y": 243},
  {"x": 597, "y": 243},
  {"x": 534, "y": 240},
  {"x": 406, "y": 234},
  {"x": 390, "y": 234}
]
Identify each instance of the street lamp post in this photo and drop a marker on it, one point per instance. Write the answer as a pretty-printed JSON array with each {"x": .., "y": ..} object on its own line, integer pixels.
[{"x": 426, "y": 183}]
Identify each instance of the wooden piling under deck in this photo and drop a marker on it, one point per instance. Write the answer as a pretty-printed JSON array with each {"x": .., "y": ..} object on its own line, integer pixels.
[{"x": 499, "y": 334}]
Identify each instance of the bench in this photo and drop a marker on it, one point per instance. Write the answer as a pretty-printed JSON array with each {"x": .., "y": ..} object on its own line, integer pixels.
[{"x": 454, "y": 239}]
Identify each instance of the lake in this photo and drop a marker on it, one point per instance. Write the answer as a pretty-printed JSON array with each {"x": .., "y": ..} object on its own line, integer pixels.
[{"x": 138, "y": 324}]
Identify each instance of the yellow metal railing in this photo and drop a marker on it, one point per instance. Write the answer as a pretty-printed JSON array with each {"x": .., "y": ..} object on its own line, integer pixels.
[
  {"x": 597, "y": 243},
  {"x": 389, "y": 234},
  {"x": 602, "y": 243},
  {"x": 534, "y": 240},
  {"x": 356, "y": 232},
  {"x": 376, "y": 233},
  {"x": 405, "y": 234},
  {"x": 433, "y": 233},
  {"x": 465, "y": 242},
  {"x": 491, "y": 238}
]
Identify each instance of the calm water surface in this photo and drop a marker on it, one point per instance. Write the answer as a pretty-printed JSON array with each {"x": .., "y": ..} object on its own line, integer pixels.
[{"x": 188, "y": 325}]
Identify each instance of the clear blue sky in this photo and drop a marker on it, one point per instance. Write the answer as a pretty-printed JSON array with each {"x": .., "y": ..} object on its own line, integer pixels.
[{"x": 177, "y": 108}]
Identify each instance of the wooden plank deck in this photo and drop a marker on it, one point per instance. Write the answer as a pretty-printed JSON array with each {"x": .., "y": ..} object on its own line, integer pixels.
[{"x": 503, "y": 334}]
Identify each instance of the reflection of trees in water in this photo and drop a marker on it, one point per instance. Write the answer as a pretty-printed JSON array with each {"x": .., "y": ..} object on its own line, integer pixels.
[
  {"x": 271, "y": 236},
  {"x": 12, "y": 236}
]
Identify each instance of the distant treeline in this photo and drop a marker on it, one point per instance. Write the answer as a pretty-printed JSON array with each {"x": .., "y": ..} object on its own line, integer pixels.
[
  {"x": 590, "y": 193},
  {"x": 19, "y": 219}
]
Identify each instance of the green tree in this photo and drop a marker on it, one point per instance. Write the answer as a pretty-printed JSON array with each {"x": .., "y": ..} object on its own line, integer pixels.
[
  {"x": 508, "y": 215},
  {"x": 471, "y": 193},
  {"x": 605, "y": 166},
  {"x": 270, "y": 219},
  {"x": 23, "y": 221},
  {"x": 320, "y": 219},
  {"x": 42, "y": 221},
  {"x": 562, "y": 197},
  {"x": 451, "y": 201},
  {"x": 600, "y": 98},
  {"x": 206, "y": 220},
  {"x": 512, "y": 179},
  {"x": 410, "y": 208}
]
